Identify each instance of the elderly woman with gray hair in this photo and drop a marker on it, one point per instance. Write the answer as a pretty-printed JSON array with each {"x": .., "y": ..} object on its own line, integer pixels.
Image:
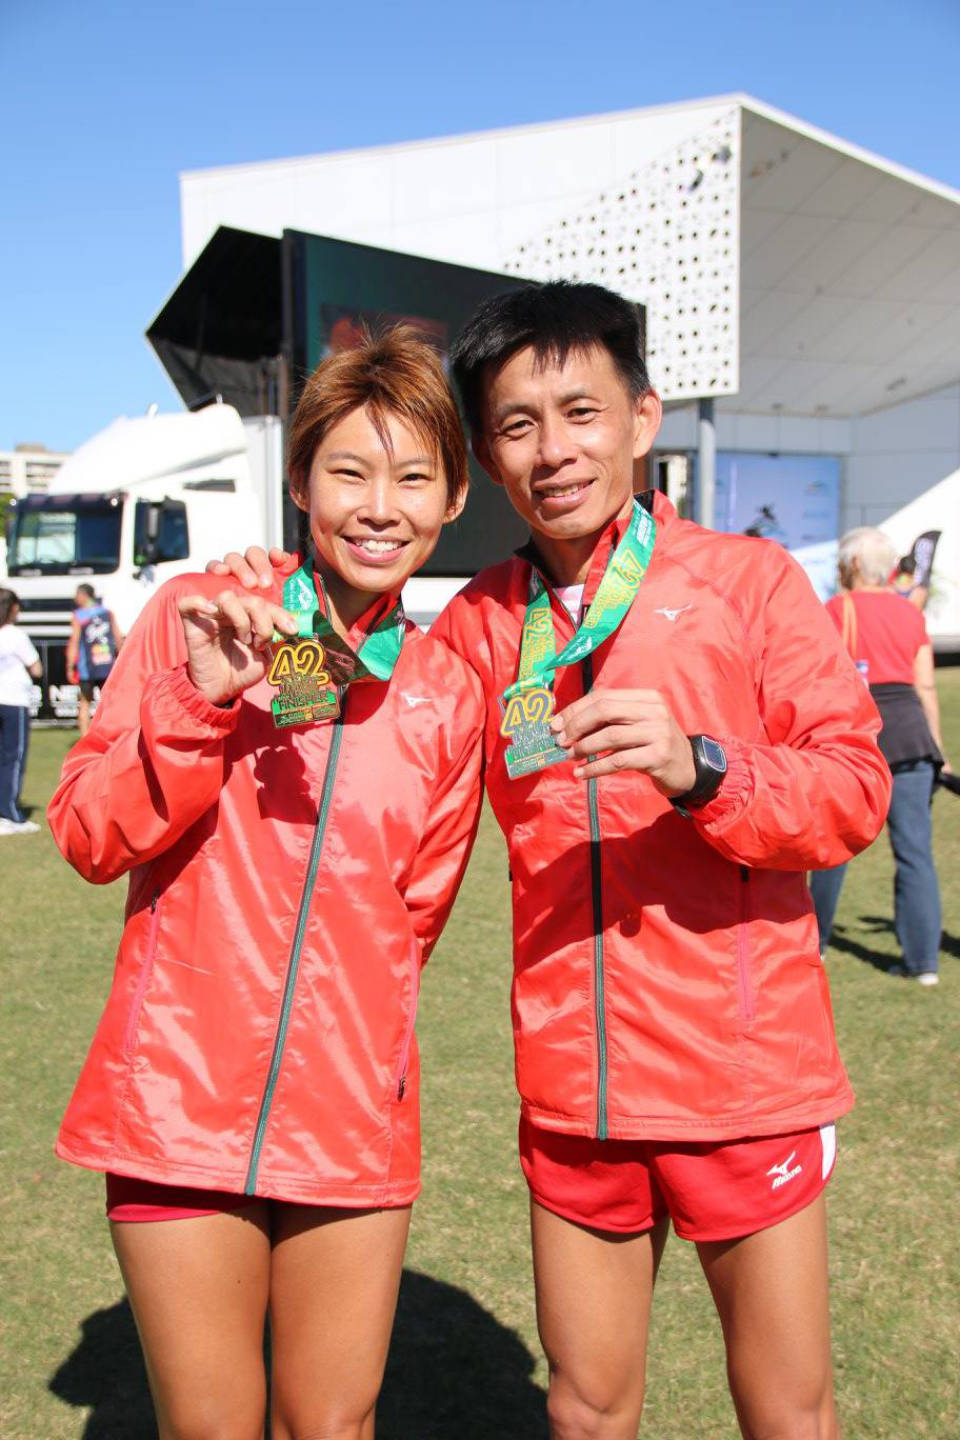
[{"x": 888, "y": 641}]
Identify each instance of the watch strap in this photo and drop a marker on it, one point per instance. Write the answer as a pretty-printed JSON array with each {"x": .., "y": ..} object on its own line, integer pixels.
[{"x": 709, "y": 776}]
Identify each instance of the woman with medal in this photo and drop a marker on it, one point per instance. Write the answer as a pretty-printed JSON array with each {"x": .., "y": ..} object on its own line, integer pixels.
[{"x": 291, "y": 781}]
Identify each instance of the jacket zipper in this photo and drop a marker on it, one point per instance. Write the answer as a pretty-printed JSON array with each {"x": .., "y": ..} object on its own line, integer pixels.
[
  {"x": 596, "y": 884},
  {"x": 401, "y": 1075},
  {"x": 743, "y": 958},
  {"x": 143, "y": 980},
  {"x": 293, "y": 964}
]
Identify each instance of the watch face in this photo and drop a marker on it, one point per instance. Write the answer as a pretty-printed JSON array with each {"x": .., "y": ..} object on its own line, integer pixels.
[{"x": 713, "y": 754}]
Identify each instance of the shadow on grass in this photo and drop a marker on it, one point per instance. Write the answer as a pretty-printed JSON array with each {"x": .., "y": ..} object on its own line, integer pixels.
[
  {"x": 881, "y": 959},
  {"x": 105, "y": 1373},
  {"x": 949, "y": 944},
  {"x": 453, "y": 1371},
  {"x": 846, "y": 945},
  {"x": 456, "y": 1373}
]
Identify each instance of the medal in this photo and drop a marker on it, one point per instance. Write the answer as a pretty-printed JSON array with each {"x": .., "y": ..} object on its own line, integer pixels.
[
  {"x": 528, "y": 704},
  {"x": 526, "y": 724},
  {"x": 310, "y": 669},
  {"x": 305, "y": 694}
]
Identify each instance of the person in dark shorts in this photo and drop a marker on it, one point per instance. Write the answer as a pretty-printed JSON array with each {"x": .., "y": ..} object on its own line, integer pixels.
[{"x": 94, "y": 644}]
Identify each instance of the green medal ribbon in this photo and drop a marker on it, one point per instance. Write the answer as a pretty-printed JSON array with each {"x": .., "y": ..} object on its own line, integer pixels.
[
  {"x": 376, "y": 658},
  {"x": 309, "y": 669},
  {"x": 528, "y": 702}
]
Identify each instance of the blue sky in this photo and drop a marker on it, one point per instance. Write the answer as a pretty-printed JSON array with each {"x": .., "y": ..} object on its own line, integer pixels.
[{"x": 103, "y": 104}]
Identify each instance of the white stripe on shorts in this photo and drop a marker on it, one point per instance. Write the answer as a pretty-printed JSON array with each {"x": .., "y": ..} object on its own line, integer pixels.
[{"x": 828, "y": 1139}]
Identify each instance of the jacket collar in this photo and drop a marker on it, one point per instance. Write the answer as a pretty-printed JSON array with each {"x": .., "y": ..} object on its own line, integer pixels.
[
  {"x": 366, "y": 622},
  {"x": 652, "y": 500}
]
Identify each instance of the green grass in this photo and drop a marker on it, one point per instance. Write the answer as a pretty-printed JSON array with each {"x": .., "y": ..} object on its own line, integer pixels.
[{"x": 466, "y": 1361}]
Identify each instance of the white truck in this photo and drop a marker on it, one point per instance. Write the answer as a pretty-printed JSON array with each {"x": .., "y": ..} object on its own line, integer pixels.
[{"x": 144, "y": 499}]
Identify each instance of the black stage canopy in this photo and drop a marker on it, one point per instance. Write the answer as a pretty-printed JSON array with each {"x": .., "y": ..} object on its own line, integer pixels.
[{"x": 221, "y": 331}]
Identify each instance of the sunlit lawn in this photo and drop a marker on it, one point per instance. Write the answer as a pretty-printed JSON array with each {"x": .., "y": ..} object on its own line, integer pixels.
[{"x": 466, "y": 1360}]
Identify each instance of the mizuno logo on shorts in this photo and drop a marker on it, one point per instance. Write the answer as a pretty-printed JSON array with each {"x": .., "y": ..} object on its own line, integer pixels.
[{"x": 782, "y": 1173}]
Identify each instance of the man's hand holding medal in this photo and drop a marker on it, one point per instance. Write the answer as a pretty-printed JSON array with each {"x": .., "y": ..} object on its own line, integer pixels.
[{"x": 628, "y": 730}]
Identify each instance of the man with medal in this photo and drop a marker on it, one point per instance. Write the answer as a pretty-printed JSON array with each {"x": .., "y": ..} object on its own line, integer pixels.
[{"x": 673, "y": 737}]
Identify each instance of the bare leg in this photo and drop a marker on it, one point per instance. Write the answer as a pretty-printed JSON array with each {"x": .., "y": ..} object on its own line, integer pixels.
[
  {"x": 198, "y": 1290},
  {"x": 771, "y": 1292},
  {"x": 83, "y": 725},
  {"x": 333, "y": 1293},
  {"x": 594, "y": 1291}
]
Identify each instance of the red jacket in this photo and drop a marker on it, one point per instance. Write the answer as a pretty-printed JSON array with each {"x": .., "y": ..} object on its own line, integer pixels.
[
  {"x": 285, "y": 888},
  {"x": 667, "y": 979}
]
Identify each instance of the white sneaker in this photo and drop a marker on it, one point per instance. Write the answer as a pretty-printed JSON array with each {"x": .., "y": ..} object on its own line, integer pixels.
[
  {"x": 18, "y": 827},
  {"x": 926, "y": 977}
]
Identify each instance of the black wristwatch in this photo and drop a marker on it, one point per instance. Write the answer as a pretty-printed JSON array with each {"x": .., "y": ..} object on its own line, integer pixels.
[{"x": 710, "y": 763}]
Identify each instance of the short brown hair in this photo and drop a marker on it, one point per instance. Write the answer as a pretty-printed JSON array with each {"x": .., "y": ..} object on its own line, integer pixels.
[
  {"x": 8, "y": 603},
  {"x": 396, "y": 373}
]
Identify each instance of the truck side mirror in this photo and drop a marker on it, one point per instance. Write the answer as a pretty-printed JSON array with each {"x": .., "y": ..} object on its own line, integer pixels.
[
  {"x": 173, "y": 540},
  {"x": 146, "y": 532},
  {"x": 160, "y": 532}
]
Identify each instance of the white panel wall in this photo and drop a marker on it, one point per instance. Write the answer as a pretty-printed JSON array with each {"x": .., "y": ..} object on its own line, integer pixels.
[
  {"x": 891, "y": 456},
  {"x": 490, "y": 191},
  {"x": 789, "y": 434},
  {"x": 899, "y": 452}
]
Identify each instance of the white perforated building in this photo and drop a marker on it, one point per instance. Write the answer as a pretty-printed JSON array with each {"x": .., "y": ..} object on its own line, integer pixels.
[{"x": 802, "y": 291}]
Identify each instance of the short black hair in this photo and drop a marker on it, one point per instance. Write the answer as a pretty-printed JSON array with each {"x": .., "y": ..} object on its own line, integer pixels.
[
  {"x": 554, "y": 318},
  {"x": 87, "y": 590}
]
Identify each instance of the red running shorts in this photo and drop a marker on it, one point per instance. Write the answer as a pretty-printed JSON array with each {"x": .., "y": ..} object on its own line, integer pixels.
[
  {"x": 711, "y": 1191},
  {"x": 133, "y": 1200}
]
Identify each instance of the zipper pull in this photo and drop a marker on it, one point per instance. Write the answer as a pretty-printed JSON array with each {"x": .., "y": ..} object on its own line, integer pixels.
[
  {"x": 744, "y": 873},
  {"x": 401, "y": 1088},
  {"x": 154, "y": 900}
]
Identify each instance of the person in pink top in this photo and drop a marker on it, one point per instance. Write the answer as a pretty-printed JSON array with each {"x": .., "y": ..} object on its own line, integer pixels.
[{"x": 887, "y": 638}]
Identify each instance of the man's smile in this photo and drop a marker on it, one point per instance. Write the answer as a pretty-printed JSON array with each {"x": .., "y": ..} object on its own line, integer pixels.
[{"x": 554, "y": 497}]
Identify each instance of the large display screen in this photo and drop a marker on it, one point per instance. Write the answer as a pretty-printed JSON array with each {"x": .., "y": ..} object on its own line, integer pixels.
[
  {"x": 335, "y": 288},
  {"x": 794, "y": 499}
]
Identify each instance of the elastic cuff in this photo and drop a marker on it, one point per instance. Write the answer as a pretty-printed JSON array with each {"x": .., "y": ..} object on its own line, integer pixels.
[
  {"x": 176, "y": 686},
  {"x": 734, "y": 793}
]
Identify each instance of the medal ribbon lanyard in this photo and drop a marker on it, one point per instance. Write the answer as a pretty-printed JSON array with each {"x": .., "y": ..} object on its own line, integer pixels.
[
  {"x": 378, "y": 655},
  {"x": 621, "y": 581}
]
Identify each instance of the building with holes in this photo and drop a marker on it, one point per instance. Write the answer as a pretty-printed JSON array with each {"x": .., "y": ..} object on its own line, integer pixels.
[{"x": 802, "y": 295}]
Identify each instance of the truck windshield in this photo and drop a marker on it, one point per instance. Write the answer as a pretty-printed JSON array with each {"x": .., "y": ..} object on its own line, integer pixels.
[{"x": 65, "y": 535}]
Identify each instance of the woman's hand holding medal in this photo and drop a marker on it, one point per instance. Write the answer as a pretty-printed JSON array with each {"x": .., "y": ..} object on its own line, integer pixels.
[
  {"x": 228, "y": 641},
  {"x": 636, "y": 729}
]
